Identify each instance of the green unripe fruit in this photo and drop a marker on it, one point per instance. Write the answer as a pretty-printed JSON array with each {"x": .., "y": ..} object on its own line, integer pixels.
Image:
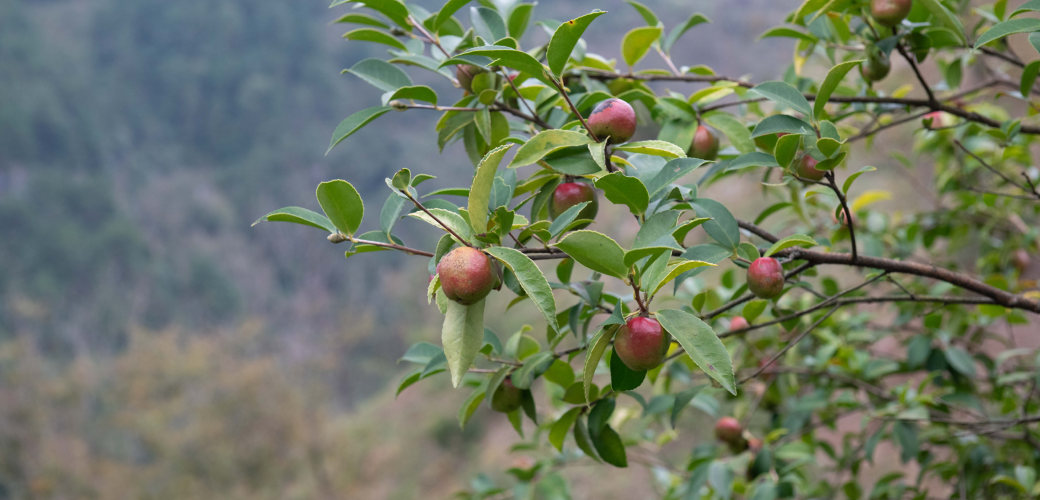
[
  {"x": 613, "y": 118},
  {"x": 464, "y": 73},
  {"x": 705, "y": 144},
  {"x": 641, "y": 343},
  {"x": 568, "y": 194},
  {"x": 468, "y": 275},
  {"x": 506, "y": 398},
  {"x": 765, "y": 278},
  {"x": 890, "y": 12},
  {"x": 876, "y": 67}
]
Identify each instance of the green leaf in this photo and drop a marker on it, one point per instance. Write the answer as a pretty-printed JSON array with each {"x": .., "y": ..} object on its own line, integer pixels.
[
  {"x": 1001, "y": 30},
  {"x": 655, "y": 148},
  {"x": 533, "y": 367},
  {"x": 354, "y": 122},
  {"x": 597, "y": 345},
  {"x": 702, "y": 344},
  {"x": 512, "y": 58},
  {"x": 735, "y": 131},
  {"x": 621, "y": 189},
  {"x": 961, "y": 361},
  {"x": 376, "y": 36},
  {"x": 788, "y": 32},
  {"x": 547, "y": 141},
  {"x": 495, "y": 381},
  {"x": 518, "y": 19},
  {"x": 583, "y": 439},
  {"x": 852, "y": 178},
  {"x": 781, "y": 123},
  {"x": 754, "y": 309},
  {"x": 488, "y": 23},
  {"x": 416, "y": 93},
  {"x": 390, "y": 212},
  {"x": 827, "y": 146},
  {"x": 795, "y": 240},
  {"x": 671, "y": 172},
  {"x": 565, "y": 38},
  {"x": 623, "y": 378},
  {"x": 559, "y": 430},
  {"x": 784, "y": 94},
  {"x": 834, "y": 77},
  {"x": 393, "y": 9},
  {"x": 480, "y": 192},
  {"x": 342, "y": 204},
  {"x": 564, "y": 220},
  {"x": 1030, "y": 6},
  {"x": 380, "y": 74},
  {"x": 446, "y": 12},
  {"x": 1029, "y": 74},
  {"x": 637, "y": 42},
  {"x": 723, "y": 227},
  {"x": 595, "y": 251},
  {"x": 462, "y": 335},
  {"x": 469, "y": 407},
  {"x": 299, "y": 216},
  {"x": 679, "y": 30},
  {"x": 674, "y": 270},
  {"x": 756, "y": 159},
  {"x": 946, "y": 18},
  {"x": 786, "y": 149},
  {"x": 358, "y": 18},
  {"x": 610, "y": 448},
  {"x": 682, "y": 400},
  {"x": 452, "y": 219},
  {"x": 402, "y": 179},
  {"x": 648, "y": 15},
  {"x": 531, "y": 279}
]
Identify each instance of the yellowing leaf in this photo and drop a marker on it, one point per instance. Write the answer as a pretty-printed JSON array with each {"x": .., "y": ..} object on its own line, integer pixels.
[{"x": 868, "y": 198}]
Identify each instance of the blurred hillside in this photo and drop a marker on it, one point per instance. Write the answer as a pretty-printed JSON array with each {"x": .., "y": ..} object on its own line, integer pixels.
[{"x": 152, "y": 343}]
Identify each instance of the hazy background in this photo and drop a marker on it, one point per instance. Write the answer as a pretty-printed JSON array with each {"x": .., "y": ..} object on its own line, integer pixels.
[{"x": 152, "y": 343}]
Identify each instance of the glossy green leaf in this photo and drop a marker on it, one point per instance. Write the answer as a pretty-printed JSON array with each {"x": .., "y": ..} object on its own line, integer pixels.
[
  {"x": 682, "y": 400},
  {"x": 451, "y": 219},
  {"x": 621, "y": 189},
  {"x": 546, "y": 142},
  {"x": 946, "y": 18},
  {"x": 784, "y": 94},
  {"x": 559, "y": 430},
  {"x": 679, "y": 30},
  {"x": 469, "y": 407},
  {"x": 828, "y": 146},
  {"x": 1029, "y": 74},
  {"x": 533, "y": 367},
  {"x": 392, "y": 9},
  {"x": 610, "y": 448},
  {"x": 786, "y": 149},
  {"x": 671, "y": 172},
  {"x": 480, "y": 192},
  {"x": 359, "y": 18},
  {"x": 565, "y": 38},
  {"x": 462, "y": 335},
  {"x": 519, "y": 17},
  {"x": 565, "y": 219},
  {"x": 623, "y": 378},
  {"x": 376, "y": 36},
  {"x": 788, "y": 32},
  {"x": 702, "y": 345},
  {"x": 756, "y": 159},
  {"x": 723, "y": 227},
  {"x": 342, "y": 204},
  {"x": 415, "y": 93},
  {"x": 595, "y": 251},
  {"x": 1030, "y": 6},
  {"x": 355, "y": 122},
  {"x": 1001, "y": 30},
  {"x": 531, "y": 279},
  {"x": 795, "y": 240},
  {"x": 781, "y": 123},
  {"x": 584, "y": 440},
  {"x": 299, "y": 216},
  {"x": 734, "y": 130},
  {"x": 961, "y": 361},
  {"x": 380, "y": 74},
  {"x": 512, "y": 58},
  {"x": 852, "y": 178},
  {"x": 654, "y": 148},
  {"x": 637, "y": 42},
  {"x": 674, "y": 270},
  {"x": 597, "y": 345},
  {"x": 450, "y": 8},
  {"x": 488, "y": 23},
  {"x": 834, "y": 77}
]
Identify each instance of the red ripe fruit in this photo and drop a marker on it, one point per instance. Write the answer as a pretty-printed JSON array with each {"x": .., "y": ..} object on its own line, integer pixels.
[
  {"x": 705, "y": 144},
  {"x": 613, "y": 118},
  {"x": 806, "y": 168},
  {"x": 738, "y": 323},
  {"x": 506, "y": 398},
  {"x": 765, "y": 278},
  {"x": 728, "y": 430},
  {"x": 464, "y": 73},
  {"x": 890, "y": 12},
  {"x": 569, "y": 194},
  {"x": 641, "y": 343},
  {"x": 468, "y": 275}
]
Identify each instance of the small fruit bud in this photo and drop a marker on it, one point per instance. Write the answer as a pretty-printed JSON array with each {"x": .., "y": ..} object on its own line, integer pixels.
[
  {"x": 398, "y": 105},
  {"x": 337, "y": 238}
]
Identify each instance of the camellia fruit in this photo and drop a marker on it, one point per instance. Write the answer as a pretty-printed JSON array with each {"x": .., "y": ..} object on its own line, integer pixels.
[
  {"x": 569, "y": 194},
  {"x": 890, "y": 12},
  {"x": 613, "y": 118},
  {"x": 468, "y": 275},
  {"x": 1020, "y": 259},
  {"x": 738, "y": 323},
  {"x": 728, "y": 430},
  {"x": 464, "y": 73},
  {"x": 876, "y": 67},
  {"x": 805, "y": 168},
  {"x": 705, "y": 144},
  {"x": 641, "y": 343},
  {"x": 765, "y": 278},
  {"x": 506, "y": 398}
]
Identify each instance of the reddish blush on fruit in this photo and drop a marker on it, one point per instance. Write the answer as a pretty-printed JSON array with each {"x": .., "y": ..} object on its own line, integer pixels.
[
  {"x": 765, "y": 278},
  {"x": 613, "y": 118},
  {"x": 728, "y": 430},
  {"x": 705, "y": 144},
  {"x": 738, "y": 323},
  {"x": 806, "y": 168},
  {"x": 568, "y": 194},
  {"x": 467, "y": 275},
  {"x": 890, "y": 12},
  {"x": 641, "y": 343}
]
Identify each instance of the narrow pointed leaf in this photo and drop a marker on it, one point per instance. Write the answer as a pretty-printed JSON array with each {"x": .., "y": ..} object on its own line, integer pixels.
[
  {"x": 702, "y": 345},
  {"x": 784, "y": 93},
  {"x": 834, "y": 77},
  {"x": 462, "y": 336},
  {"x": 531, "y": 279},
  {"x": 299, "y": 216},
  {"x": 545, "y": 143},
  {"x": 565, "y": 38},
  {"x": 795, "y": 240},
  {"x": 380, "y": 74},
  {"x": 355, "y": 122},
  {"x": 480, "y": 192},
  {"x": 597, "y": 345},
  {"x": 595, "y": 251}
]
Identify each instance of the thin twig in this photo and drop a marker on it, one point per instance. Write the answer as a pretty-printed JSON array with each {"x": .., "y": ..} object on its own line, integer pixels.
[
  {"x": 848, "y": 213},
  {"x": 789, "y": 345},
  {"x": 438, "y": 221}
]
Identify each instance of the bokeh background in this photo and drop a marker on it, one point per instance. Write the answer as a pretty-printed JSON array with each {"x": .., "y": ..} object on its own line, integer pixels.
[{"x": 154, "y": 345}]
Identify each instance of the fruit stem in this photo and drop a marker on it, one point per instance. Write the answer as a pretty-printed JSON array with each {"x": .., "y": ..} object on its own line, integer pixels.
[{"x": 635, "y": 294}]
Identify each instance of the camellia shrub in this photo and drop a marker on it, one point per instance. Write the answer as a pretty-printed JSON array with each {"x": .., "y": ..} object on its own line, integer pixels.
[{"x": 828, "y": 328}]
